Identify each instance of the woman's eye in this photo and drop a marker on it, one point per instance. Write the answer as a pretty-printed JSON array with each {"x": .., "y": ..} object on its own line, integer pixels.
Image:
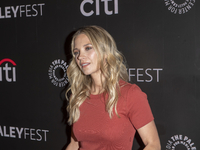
[
  {"x": 88, "y": 48},
  {"x": 75, "y": 53}
]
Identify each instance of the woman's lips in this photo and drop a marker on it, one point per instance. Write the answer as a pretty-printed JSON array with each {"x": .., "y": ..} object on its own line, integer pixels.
[{"x": 85, "y": 64}]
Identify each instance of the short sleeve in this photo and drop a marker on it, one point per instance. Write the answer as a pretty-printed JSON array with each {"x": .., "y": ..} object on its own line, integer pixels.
[{"x": 138, "y": 109}]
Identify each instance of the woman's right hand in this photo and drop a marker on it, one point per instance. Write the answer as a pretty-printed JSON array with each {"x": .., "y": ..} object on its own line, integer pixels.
[{"x": 73, "y": 145}]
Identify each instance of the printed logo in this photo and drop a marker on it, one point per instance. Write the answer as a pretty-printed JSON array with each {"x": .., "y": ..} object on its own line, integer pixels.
[
  {"x": 144, "y": 74},
  {"x": 180, "y": 141},
  {"x": 57, "y": 73},
  {"x": 6, "y": 71},
  {"x": 21, "y": 11},
  {"x": 179, "y": 8},
  {"x": 89, "y": 4},
  {"x": 24, "y": 133}
]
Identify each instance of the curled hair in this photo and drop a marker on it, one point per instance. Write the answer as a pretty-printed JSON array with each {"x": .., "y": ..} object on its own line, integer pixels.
[{"x": 113, "y": 71}]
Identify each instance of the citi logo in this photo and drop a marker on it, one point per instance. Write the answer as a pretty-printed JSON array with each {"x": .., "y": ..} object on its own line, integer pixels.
[
  {"x": 6, "y": 72},
  {"x": 96, "y": 10}
]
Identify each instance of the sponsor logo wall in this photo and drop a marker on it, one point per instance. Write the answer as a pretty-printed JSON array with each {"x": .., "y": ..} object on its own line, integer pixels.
[{"x": 159, "y": 40}]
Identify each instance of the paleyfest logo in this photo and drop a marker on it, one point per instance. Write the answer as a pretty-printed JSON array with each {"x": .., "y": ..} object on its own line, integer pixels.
[
  {"x": 179, "y": 6},
  {"x": 29, "y": 10},
  {"x": 181, "y": 142},
  {"x": 23, "y": 133},
  {"x": 57, "y": 73}
]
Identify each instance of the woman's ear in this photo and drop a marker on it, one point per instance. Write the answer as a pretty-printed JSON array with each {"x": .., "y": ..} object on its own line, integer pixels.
[{"x": 105, "y": 58}]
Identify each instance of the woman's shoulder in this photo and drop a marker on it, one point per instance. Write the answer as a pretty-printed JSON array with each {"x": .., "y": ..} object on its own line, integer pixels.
[
  {"x": 131, "y": 91},
  {"x": 124, "y": 85}
]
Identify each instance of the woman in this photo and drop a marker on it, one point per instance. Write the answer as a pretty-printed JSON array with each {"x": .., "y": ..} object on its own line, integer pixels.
[{"x": 104, "y": 110}]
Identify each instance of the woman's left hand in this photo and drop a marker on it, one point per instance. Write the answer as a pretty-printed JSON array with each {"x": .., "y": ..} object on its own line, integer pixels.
[{"x": 149, "y": 136}]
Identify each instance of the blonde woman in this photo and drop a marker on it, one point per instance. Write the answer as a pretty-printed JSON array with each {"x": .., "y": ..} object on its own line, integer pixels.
[{"x": 104, "y": 109}]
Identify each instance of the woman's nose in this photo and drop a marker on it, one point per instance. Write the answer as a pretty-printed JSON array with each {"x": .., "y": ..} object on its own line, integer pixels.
[{"x": 81, "y": 55}]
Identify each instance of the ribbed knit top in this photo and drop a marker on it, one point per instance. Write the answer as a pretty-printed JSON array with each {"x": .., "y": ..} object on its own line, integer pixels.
[{"x": 95, "y": 130}]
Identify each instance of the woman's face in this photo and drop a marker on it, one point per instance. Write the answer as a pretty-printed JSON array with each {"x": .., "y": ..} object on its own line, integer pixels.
[{"x": 85, "y": 55}]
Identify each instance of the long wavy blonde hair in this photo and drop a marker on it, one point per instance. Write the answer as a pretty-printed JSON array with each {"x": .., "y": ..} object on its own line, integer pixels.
[{"x": 115, "y": 69}]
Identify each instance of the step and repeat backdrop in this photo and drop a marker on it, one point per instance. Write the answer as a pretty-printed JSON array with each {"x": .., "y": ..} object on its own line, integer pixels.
[{"x": 159, "y": 38}]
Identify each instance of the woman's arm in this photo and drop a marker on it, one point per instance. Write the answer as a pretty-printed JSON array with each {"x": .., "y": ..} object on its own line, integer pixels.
[
  {"x": 149, "y": 136},
  {"x": 73, "y": 145}
]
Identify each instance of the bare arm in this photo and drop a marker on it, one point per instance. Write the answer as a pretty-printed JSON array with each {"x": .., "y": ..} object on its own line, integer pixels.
[
  {"x": 149, "y": 136},
  {"x": 73, "y": 145}
]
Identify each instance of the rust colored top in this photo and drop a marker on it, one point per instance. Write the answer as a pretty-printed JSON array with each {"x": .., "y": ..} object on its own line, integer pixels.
[{"x": 96, "y": 131}]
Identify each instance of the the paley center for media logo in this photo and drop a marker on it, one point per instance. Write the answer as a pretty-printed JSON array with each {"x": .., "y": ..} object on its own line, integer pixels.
[
  {"x": 57, "y": 73},
  {"x": 181, "y": 142},
  {"x": 177, "y": 7}
]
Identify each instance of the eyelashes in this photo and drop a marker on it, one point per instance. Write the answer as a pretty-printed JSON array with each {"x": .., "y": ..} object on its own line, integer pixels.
[
  {"x": 76, "y": 52},
  {"x": 88, "y": 48}
]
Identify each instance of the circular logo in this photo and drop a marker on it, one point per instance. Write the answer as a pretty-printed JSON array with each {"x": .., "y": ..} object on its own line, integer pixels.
[
  {"x": 57, "y": 73},
  {"x": 179, "y": 6},
  {"x": 180, "y": 142}
]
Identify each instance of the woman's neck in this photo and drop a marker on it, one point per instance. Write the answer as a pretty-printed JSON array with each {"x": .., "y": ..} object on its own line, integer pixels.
[{"x": 97, "y": 85}]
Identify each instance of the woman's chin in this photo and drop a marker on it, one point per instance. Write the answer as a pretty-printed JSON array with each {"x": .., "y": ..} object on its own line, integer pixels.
[{"x": 85, "y": 73}]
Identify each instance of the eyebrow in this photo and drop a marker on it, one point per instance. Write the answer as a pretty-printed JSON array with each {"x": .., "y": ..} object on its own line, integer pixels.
[
  {"x": 87, "y": 44},
  {"x": 83, "y": 46}
]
